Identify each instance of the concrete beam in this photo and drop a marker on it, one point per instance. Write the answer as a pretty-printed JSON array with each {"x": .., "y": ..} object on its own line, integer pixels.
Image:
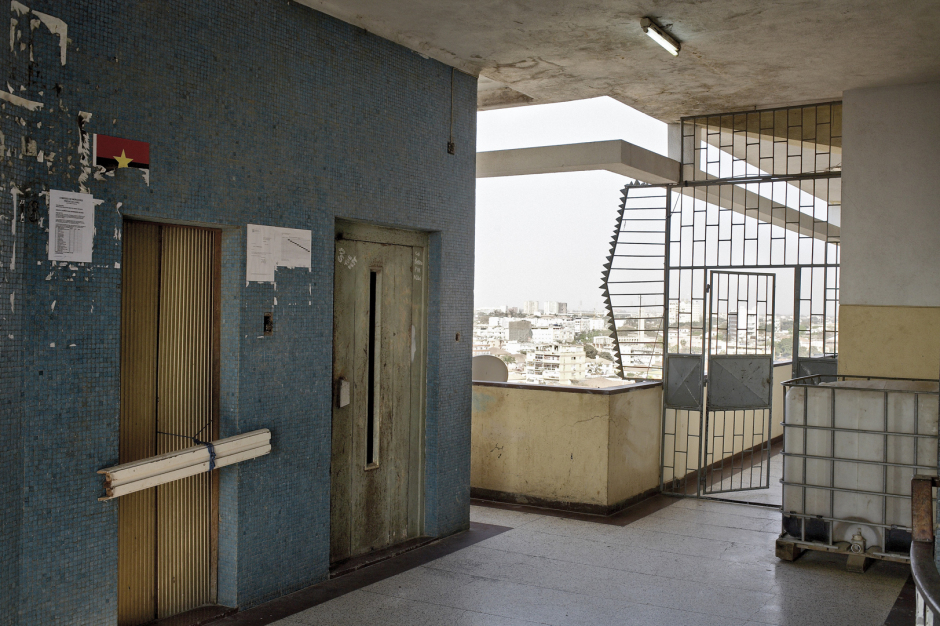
[{"x": 615, "y": 156}]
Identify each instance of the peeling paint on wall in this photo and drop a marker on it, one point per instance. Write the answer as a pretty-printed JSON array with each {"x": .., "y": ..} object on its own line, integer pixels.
[
  {"x": 84, "y": 150},
  {"x": 16, "y": 204},
  {"x": 56, "y": 27},
  {"x": 20, "y": 102}
]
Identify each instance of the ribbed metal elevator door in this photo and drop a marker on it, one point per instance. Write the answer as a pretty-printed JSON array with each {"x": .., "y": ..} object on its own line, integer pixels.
[{"x": 169, "y": 397}]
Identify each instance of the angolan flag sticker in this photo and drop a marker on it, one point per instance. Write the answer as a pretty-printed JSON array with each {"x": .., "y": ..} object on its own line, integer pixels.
[{"x": 113, "y": 153}]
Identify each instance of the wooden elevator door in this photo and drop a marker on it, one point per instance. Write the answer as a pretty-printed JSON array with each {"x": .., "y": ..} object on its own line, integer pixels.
[
  {"x": 375, "y": 498},
  {"x": 169, "y": 397}
]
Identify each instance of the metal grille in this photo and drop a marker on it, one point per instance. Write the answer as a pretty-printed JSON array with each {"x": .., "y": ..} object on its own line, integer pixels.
[
  {"x": 738, "y": 409},
  {"x": 760, "y": 190},
  {"x": 634, "y": 281},
  {"x": 798, "y": 141}
]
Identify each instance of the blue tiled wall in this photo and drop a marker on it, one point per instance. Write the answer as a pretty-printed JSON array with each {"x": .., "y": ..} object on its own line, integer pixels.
[{"x": 257, "y": 111}]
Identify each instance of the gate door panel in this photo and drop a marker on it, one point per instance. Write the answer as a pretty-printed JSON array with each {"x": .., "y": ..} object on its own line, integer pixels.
[
  {"x": 740, "y": 382},
  {"x": 684, "y": 386},
  {"x": 739, "y": 390}
]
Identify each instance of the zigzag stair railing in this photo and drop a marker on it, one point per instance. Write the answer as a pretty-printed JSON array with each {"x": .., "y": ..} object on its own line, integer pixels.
[{"x": 636, "y": 270}]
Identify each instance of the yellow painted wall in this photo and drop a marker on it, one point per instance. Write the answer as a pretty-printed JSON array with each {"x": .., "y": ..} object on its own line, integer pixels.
[
  {"x": 893, "y": 341},
  {"x": 567, "y": 447},
  {"x": 540, "y": 443},
  {"x": 575, "y": 447},
  {"x": 634, "y": 443}
]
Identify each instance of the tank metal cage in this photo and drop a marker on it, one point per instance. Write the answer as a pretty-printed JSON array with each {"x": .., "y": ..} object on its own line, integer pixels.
[{"x": 852, "y": 444}]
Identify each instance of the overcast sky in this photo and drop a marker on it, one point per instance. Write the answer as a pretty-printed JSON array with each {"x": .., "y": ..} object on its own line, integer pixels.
[{"x": 545, "y": 237}]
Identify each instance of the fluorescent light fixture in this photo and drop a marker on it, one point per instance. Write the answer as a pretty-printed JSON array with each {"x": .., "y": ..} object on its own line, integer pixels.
[{"x": 660, "y": 36}]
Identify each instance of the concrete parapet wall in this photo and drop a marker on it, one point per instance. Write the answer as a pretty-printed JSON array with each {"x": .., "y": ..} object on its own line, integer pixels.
[{"x": 581, "y": 449}]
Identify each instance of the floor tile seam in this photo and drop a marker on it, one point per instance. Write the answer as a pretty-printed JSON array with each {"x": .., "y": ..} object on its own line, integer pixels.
[
  {"x": 537, "y": 518},
  {"x": 766, "y": 532},
  {"x": 730, "y": 544},
  {"x": 703, "y": 559},
  {"x": 803, "y": 594},
  {"x": 624, "y": 603},
  {"x": 464, "y": 611},
  {"x": 634, "y": 544},
  {"x": 768, "y": 514},
  {"x": 630, "y": 602},
  {"x": 629, "y": 571},
  {"x": 721, "y": 508},
  {"x": 774, "y": 535},
  {"x": 709, "y": 510}
]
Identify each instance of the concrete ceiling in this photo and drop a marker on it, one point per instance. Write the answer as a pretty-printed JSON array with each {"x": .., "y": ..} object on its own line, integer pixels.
[{"x": 736, "y": 54}]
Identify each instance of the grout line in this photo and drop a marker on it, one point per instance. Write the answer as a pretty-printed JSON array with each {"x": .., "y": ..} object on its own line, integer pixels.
[
  {"x": 691, "y": 581},
  {"x": 289, "y": 605},
  {"x": 465, "y": 611},
  {"x": 627, "y": 603}
]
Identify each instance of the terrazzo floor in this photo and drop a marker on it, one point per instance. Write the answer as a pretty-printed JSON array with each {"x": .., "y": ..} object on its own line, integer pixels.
[{"x": 694, "y": 562}]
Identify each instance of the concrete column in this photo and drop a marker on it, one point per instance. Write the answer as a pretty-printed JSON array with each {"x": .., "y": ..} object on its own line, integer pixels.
[{"x": 674, "y": 141}]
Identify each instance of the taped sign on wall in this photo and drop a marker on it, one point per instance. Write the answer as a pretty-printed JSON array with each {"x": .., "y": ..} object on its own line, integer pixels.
[{"x": 113, "y": 153}]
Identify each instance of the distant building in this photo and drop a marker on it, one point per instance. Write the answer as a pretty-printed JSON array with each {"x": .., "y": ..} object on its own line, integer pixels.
[
  {"x": 603, "y": 343},
  {"x": 531, "y": 307},
  {"x": 581, "y": 324},
  {"x": 519, "y": 330},
  {"x": 481, "y": 348},
  {"x": 554, "y": 364},
  {"x": 598, "y": 323},
  {"x": 554, "y": 308},
  {"x": 553, "y": 334}
]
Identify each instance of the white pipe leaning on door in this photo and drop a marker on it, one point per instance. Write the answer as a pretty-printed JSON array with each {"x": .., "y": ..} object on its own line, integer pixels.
[{"x": 120, "y": 480}]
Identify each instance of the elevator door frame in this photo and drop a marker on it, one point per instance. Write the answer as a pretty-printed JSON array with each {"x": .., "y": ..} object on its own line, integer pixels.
[
  {"x": 419, "y": 243},
  {"x": 212, "y": 432}
]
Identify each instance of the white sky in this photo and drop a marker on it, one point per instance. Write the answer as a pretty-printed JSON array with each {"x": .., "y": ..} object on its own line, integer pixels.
[{"x": 545, "y": 237}]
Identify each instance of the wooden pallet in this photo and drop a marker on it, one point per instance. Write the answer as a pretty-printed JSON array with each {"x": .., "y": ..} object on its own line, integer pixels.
[{"x": 790, "y": 549}]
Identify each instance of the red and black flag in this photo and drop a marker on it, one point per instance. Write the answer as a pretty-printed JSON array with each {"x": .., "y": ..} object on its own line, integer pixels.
[{"x": 114, "y": 152}]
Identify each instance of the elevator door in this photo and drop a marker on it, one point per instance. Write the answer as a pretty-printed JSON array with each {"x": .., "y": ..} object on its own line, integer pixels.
[
  {"x": 378, "y": 357},
  {"x": 169, "y": 398}
]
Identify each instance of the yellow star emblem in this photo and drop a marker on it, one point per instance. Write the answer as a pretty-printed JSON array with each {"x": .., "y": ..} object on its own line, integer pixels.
[{"x": 123, "y": 160}]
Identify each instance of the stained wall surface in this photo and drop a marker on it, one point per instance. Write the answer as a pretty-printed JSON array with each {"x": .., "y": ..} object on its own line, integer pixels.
[
  {"x": 563, "y": 447},
  {"x": 890, "y": 283},
  {"x": 256, "y": 111}
]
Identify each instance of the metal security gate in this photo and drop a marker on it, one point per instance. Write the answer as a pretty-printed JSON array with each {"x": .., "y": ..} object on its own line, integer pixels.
[
  {"x": 760, "y": 191},
  {"x": 718, "y": 405},
  {"x": 170, "y": 303},
  {"x": 740, "y": 383}
]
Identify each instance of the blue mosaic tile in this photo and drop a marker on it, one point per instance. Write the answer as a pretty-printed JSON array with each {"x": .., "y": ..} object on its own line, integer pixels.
[{"x": 256, "y": 111}]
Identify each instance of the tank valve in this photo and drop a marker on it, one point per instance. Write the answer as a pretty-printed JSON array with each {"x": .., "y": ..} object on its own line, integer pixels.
[{"x": 858, "y": 543}]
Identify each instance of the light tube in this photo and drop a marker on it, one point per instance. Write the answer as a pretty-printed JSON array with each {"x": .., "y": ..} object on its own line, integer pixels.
[
  {"x": 660, "y": 36},
  {"x": 127, "y": 478}
]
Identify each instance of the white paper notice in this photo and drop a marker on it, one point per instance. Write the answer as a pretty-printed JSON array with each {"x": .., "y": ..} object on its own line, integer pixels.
[
  {"x": 71, "y": 226},
  {"x": 261, "y": 255},
  {"x": 270, "y": 247},
  {"x": 293, "y": 247}
]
